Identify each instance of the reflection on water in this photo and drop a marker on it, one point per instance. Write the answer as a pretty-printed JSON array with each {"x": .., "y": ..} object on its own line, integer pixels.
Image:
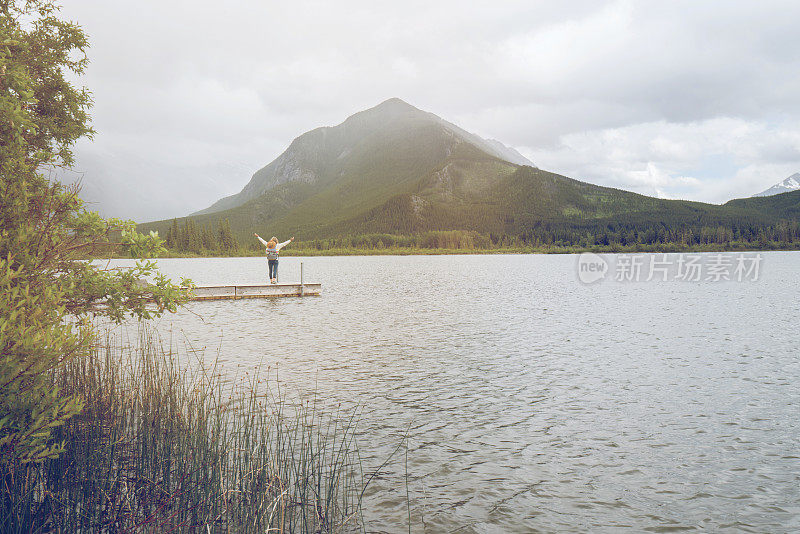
[{"x": 533, "y": 402}]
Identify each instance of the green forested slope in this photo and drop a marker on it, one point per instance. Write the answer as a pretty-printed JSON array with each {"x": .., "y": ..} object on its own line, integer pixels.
[
  {"x": 493, "y": 198},
  {"x": 784, "y": 205}
]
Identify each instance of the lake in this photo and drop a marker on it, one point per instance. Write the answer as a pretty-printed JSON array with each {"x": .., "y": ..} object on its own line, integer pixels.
[{"x": 532, "y": 401}]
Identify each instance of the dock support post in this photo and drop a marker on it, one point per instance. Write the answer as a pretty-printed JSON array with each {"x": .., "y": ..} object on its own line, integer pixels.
[{"x": 301, "y": 279}]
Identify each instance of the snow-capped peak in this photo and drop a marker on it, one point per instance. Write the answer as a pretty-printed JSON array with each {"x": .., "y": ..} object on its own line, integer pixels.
[{"x": 791, "y": 183}]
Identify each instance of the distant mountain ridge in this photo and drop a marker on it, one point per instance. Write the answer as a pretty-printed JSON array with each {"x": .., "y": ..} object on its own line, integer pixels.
[
  {"x": 311, "y": 156},
  {"x": 394, "y": 169},
  {"x": 792, "y": 183}
]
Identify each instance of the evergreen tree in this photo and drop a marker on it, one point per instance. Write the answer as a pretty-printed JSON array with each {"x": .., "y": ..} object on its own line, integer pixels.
[
  {"x": 173, "y": 235},
  {"x": 193, "y": 238},
  {"x": 209, "y": 239},
  {"x": 227, "y": 241}
]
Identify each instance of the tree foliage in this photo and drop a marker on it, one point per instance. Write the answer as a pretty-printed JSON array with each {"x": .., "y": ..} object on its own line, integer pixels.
[
  {"x": 49, "y": 291},
  {"x": 201, "y": 239}
]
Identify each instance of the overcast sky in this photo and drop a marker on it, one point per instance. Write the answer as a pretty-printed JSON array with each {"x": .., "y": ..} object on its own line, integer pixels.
[{"x": 695, "y": 100}]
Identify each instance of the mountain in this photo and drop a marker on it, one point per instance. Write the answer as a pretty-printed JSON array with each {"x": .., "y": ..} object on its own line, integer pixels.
[
  {"x": 792, "y": 183},
  {"x": 316, "y": 156},
  {"x": 395, "y": 169}
]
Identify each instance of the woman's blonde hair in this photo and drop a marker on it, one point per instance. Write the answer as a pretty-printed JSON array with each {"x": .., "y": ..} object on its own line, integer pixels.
[{"x": 272, "y": 243}]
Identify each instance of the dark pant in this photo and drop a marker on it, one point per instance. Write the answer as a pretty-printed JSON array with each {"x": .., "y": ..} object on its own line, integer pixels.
[{"x": 273, "y": 269}]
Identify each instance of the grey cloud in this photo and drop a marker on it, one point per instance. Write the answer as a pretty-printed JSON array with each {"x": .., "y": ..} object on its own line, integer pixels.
[{"x": 197, "y": 89}]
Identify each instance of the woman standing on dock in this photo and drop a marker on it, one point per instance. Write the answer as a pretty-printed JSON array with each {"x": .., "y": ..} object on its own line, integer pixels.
[{"x": 273, "y": 248}]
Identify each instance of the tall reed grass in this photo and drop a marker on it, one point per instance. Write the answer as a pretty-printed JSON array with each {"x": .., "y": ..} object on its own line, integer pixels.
[{"x": 164, "y": 447}]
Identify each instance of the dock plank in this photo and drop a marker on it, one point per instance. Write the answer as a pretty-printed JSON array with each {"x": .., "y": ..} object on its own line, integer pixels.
[{"x": 253, "y": 291}]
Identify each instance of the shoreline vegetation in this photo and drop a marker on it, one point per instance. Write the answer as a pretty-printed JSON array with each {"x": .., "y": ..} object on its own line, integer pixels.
[
  {"x": 408, "y": 251},
  {"x": 733, "y": 247},
  {"x": 191, "y": 241},
  {"x": 163, "y": 447}
]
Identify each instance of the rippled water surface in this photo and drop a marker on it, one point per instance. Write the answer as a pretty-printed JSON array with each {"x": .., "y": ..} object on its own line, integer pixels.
[{"x": 533, "y": 402}]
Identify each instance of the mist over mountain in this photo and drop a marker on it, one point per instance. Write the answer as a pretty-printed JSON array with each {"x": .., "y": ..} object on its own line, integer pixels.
[{"x": 117, "y": 185}]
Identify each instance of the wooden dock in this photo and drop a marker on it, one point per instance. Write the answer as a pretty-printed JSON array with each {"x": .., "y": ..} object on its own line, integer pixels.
[{"x": 255, "y": 291}]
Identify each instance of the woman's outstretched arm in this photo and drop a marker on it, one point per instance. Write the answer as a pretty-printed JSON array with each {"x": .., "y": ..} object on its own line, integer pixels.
[
  {"x": 281, "y": 245},
  {"x": 262, "y": 241}
]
